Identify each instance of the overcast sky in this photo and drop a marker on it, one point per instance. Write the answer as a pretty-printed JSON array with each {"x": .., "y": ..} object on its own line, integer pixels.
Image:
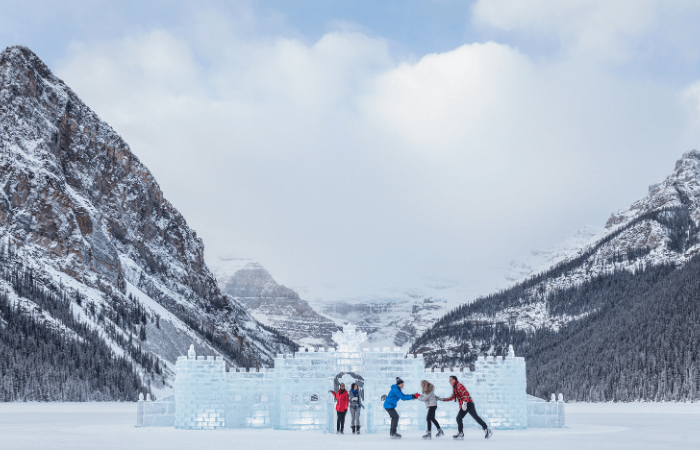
[{"x": 357, "y": 145}]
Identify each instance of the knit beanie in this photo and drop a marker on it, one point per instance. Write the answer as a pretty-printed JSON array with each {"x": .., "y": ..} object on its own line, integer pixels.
[{"x": 399, "y": 380}]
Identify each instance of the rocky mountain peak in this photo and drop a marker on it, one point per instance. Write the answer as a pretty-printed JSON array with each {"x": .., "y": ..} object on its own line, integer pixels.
[
  {"x": 681, "y": 188},
  {"x": 77, "y": 204}
]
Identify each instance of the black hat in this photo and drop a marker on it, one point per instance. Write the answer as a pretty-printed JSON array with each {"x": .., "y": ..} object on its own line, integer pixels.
[{"x": 399, "y": 380}]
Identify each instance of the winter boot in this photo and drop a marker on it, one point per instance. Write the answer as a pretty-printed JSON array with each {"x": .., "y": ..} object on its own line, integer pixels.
[
  {"x": 353, "y": 429},
  {"x": 428, "y": 435},
  {"x": 439, "y": 433},
  {"x": 459, "y": 435},
  {"x": 488, "y": 433},
  {"x": 396, "y": 436},
  {"x": 358, "y": 429}
]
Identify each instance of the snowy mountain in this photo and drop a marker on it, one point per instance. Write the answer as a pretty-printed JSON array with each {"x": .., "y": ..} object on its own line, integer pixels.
[
  {"x": 633, "y": 282},
  {"x": 539, "y": 260},
  {"x": 252, "y": 286},
  {"x": 390, "y": 318},
  {"x": 81, "y": 213}
]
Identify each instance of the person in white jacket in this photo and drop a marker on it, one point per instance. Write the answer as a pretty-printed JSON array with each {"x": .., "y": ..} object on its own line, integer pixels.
[{"x": 428, "y": 396}]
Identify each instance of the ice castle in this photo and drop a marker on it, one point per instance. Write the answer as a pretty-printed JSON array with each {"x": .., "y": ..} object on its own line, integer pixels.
[{"x": 294, "y": 394}]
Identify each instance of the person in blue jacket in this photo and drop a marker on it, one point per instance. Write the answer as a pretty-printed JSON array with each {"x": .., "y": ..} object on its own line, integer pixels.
[{"x": 390, "y": 405}]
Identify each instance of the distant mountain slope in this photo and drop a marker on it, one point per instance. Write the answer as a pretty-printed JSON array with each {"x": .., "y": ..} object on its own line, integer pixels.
[
  {"x": 632, "y": 259},
  {"x": 275, "y": 305},
  {"x": 390, "y": 320},
  {"x": 80, "y": 211}
]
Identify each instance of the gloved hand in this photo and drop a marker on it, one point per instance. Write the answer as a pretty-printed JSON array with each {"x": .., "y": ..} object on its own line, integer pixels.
[
  {"x": 416, "y": 395},
  {"x": 362, "y": 406},
  {"x": 383, "y": 397},
  {"x": 331, "y": 391},
  {"x": 464, "y": 406},
  {"x": 439, "y": 398}
]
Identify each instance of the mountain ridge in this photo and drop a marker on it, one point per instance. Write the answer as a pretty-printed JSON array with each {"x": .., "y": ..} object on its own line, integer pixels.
[
  {"x": 641, "y": 248},
  {"x": 81, "y": 211}
]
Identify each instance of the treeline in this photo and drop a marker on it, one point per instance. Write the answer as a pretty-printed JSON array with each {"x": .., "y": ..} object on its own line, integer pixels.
[
  {"x": 682, "y": 234},
  {"x": 55, "y": 357},
  {"x": 642, "y": 343},
  {"x": 635, "y": 335},
  {"x": 639, "y": 341}
]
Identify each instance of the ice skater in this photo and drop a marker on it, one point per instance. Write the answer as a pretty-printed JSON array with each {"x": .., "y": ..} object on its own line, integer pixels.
[
  {"x": 355, "y": 407},
  {"x": 466, "y": 405},
  {"x": 390, "y": 403},
  {"x": 341, "y": 408},
  {"x": 428, "y": 396}
]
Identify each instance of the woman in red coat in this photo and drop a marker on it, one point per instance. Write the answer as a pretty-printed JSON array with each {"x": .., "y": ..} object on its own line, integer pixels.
[{"x": 341, "y": 407}]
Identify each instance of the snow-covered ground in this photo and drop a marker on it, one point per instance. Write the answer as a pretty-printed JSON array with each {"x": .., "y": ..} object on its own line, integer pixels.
[{"x": 73, "y": 426}]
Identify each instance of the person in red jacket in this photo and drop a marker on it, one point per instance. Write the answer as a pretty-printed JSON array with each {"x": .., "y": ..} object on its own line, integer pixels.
[
  {"x": 341, "y": 408},
  {"x": 466, "y": 405}
]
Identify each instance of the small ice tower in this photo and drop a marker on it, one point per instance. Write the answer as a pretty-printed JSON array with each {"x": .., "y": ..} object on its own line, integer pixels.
[{"x": 349, "y": 339}]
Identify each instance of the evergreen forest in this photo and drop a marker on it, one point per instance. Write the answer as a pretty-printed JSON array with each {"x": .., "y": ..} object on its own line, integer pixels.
[{"x": 636, "y": 336}]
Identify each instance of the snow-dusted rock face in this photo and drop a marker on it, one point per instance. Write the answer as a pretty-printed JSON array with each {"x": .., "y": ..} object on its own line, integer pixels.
[
  {"x": 540, "y": 260},
  {"x": 389, "y": 321},
  {"x": 81, "y": 208},
  {"x": 680, "y": 189},
  {"x": 273, "y": 304}
]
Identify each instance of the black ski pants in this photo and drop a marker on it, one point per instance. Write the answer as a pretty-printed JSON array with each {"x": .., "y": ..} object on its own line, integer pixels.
[
  {"x": 340, "y": 423},
  {"x": 472, "y": 411},
  {"x": 394, "y": 420},
  {"x": 431, "y": 418}
]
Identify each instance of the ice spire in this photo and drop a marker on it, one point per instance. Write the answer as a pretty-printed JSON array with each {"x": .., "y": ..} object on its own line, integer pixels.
[{"x": 349, "y": 339}]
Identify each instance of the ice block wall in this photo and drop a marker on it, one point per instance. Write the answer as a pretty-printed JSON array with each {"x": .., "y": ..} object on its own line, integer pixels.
[
  {"x": 155, "y": 414},
  {"x": 294, "y": 395},
  {"x": 302, "y": 382},
  {"x": 382, "y": 368},
  {"x": 497, "y": 386},
  {"x": 542, "y": 414},
  {"x": 199, "y": 387}
]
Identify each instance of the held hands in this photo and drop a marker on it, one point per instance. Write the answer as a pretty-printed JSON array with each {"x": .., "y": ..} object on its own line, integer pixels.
[
  {"x": 416, "y": 395},
  {"x": 439, "y": 398}
]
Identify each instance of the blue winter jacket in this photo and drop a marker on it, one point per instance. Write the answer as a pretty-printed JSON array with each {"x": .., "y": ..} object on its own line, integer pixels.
[{"x": 394, "y": 396}]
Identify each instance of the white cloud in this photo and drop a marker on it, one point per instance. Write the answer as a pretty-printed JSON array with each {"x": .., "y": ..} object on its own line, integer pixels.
[
  {"x": 602, "y": 29},
  {"x": 334, "y": 164}
]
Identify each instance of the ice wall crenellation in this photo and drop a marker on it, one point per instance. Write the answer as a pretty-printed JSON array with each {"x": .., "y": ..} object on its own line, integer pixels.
[{"x": 294, "y": 394}]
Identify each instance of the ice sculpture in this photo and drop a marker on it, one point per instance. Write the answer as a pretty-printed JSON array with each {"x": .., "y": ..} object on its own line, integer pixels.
[
  {"x": 294, "y": 394},
  {"x": 349, "y": 339}
]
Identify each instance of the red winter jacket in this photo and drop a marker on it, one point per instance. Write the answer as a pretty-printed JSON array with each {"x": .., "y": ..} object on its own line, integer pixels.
[
  {"x": 460, "y": 393},
  {"x": 342, "y": 400}
]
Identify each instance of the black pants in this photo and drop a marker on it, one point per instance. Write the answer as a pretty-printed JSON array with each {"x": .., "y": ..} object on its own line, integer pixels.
[
  {"x": 471, "y": 410},
  {"x": 340, "y": 424},
  {"x": 431, "y": 418},
  {"x": 394, "y": 420}
]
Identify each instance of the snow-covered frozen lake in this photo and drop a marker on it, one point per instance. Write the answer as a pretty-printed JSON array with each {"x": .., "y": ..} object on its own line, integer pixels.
[{"x": 75, "y": 426}]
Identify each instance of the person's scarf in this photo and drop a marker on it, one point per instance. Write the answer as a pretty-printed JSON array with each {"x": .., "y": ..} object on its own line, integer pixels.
[{"x": 355, "y": 392}]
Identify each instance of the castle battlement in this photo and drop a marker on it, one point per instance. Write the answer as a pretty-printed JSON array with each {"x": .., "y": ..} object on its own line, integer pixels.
[{"x": 294, "y": 394}]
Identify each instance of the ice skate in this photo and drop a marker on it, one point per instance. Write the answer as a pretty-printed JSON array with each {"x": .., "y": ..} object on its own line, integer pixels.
[
  {"x": 428, "y": 435},
  {"x": 358, "y": 430},
  {"x": 353, "y": 430},
  {"x": 488, "y": 433},
  {"x": 459, "y": 435},
  {"x": 396, "y": 436},
  {"x": 439, "y": 433}
]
